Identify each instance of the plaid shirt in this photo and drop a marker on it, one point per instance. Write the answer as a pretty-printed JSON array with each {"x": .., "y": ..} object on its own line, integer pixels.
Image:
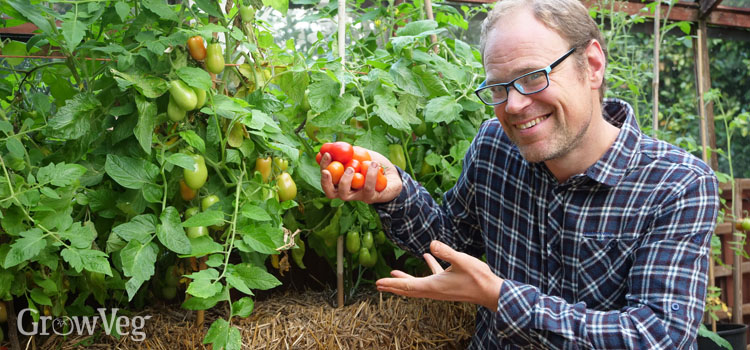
[{"x": 614, "y": 258}]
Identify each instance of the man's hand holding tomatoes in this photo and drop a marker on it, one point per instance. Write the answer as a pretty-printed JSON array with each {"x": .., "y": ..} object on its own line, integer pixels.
[{"x": 382, "y": 182}]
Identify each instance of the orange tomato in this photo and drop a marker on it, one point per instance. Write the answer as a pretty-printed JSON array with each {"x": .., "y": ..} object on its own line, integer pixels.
[
  {"x": 358, "y": 181},
  {"x": 361, "y": 154},
  {"x": 381, "y": 182},
  {"x": 337, "y": 170},
  {"x": 354, "y": 164},
  {"x": 186, "y": 192}
]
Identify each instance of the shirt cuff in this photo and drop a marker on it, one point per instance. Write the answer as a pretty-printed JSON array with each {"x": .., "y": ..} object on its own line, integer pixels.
[
  {"x": 395, "y": 208},
  {"x": 515, "y": 307}
]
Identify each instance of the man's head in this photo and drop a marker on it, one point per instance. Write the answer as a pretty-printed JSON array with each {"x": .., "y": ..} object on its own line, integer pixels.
[{"x": 523, "y": 36}]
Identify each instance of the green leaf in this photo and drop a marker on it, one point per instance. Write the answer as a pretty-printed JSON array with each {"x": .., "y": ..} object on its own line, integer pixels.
[
  {"x": 15, "y": 147},
  {"x": 149, "y": 86},
  {"x": 223, "y": 336},
  {"x": 25, "y": 248},
  {"x": 195, "y": 77},
  {"x": 703, "y": 331},
  {"x": 60, "y": 174},
  {"x": 406, "y": 80},
  {"x": 322, "y": 94},
  {"x": 243, "y": 307},
  {"x": 254, "y": 212},
  {"x": 131, "y": 173},
  {"x": 89, "y": 259},
  {"x": 294, "y": 84},
  {"x": 33, "y": 13},
  {"x": 74, "y": 120},
  {"x": 389, "y": 114},
  {"x": 40, "y": 298},
  {"x": 205, "y": 283},
  {"x": 279, "y": 5},
  {"x": 205, "y": 303},
  {"x": 193, "y": 140},
  {"x": 309, "y": 170},
  {"x": 80, "y": 236},
  {"x": 170, "y": 232},
  {"x": 182, "y": 160},
  {"x": 202, "y": 246},
  {"x": 138, "y": 260},
  {"x": 206, "y": 218},
  {"x": 160, "y": 8},
  {"x": 123, "y": 10},
  {"x": 144, "y": 130},
  {"x": 258, "y": 120},
  {"x": 139, "y": 228},
  {"x": 442, "y": 109},
  {"x": 263, "y": 239},
  {"x": 49, "y": 192},
  {"x": 209, "y": 7},
  {"x": 339, "y": 113},
  {"x": 255, "y": 277},
  {"x": 132, "y": 286},
  {"x": 416, "y": 27},
  {"x": 73, "y": 31}
]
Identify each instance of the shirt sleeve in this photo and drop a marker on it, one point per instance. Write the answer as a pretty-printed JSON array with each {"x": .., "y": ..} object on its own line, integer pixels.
[
  {"x": 414, "y": 218},
  {"x": 666, "y": 287}
]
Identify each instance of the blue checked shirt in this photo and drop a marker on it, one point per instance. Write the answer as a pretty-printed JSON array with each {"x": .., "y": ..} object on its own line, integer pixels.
[{"x": 614, "y": 258}]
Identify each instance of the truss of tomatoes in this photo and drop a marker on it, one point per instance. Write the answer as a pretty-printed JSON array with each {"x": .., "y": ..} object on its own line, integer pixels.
[{"x": 344, "y": 156}]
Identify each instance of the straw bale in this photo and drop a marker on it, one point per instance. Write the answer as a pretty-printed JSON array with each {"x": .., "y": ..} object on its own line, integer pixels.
[{"x": 304, "y": 320}]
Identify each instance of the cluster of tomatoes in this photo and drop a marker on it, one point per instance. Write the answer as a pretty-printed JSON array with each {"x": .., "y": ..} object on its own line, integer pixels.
[{"x": 345, "y": 156}]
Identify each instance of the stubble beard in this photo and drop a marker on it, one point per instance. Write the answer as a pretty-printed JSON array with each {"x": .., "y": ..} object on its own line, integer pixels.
[{"x": 560, "y": 144}]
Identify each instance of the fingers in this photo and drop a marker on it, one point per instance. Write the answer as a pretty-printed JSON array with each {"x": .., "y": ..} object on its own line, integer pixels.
[
  {"x": 432, "y": 263},
  {"x": 444, "y": 252}
]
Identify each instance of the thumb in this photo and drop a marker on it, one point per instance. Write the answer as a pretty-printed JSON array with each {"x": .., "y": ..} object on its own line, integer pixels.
[{"x": 443, "y": 251}]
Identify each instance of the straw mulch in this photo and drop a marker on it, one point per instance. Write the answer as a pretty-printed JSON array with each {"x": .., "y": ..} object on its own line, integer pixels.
[{"x": 294, "y": 320}]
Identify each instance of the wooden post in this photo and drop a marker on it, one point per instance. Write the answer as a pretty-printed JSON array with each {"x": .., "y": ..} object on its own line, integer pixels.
[
  {"x": 430, "y": 16},
  {"x": 655, "y": 82},
  {"x": 737, "y": 257},
  {"x": 340, "y": 240}
]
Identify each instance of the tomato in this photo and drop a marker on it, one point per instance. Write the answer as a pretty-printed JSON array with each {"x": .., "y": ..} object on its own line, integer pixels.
[
  {"x": 367, "y": 240},
  {"x": 263, "y": 165},
  {"x": 420, "y": 129},
  {"x": 381, "y": 182},
  {"x": 169, "y": 292},
  {"x": 214, "y": 58},
  {"x": 426, "y": 169},
  {"x": 191, "y": 211},
  {"x": 208, "y": 201},
  {"x": 201, "y": 95},
  {"x": 360, "y": 154},
  {"x": 174, "y": 112},
  {"x": 196, "y": 178},
  {"x": 366, "y": 259},
  {"x": 340, "y": 151},
  {"x": 745, "y": 224},
  {"x": 186, "y": 192},
  {"x": 287, "y": 187},
  {"x": 358, "y": 181},
  {"x": 247, "y": 13},
  {"x": 380, "y": 238},
  {"x": 280, "y": 164},
  {"x": 337, "y": 170},
  {"x": 171, "y": 277},
  {"x": 397, "y": 157},
  {"x": 352, "y": 242},
  {"x": 196, "y": 48},
  {"x": 183, "y": 95},
  {"x": 3, "y": 312},
  {"x": 198, "y": 231},
  {"x": 354, "y": 164}
]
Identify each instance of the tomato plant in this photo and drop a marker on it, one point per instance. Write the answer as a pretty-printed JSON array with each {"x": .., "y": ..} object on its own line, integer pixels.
[{"x": 263, "y": 166}]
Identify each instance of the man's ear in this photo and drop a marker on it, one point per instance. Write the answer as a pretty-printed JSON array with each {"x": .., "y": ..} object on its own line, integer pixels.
[{"x": 597, "y": 64}]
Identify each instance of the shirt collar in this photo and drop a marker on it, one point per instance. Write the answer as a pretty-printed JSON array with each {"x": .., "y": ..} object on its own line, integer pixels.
[{"x": 613, "y": 165}]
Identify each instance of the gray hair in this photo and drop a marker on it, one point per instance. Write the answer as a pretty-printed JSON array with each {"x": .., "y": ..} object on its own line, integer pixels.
[{"x": 569, "y": 18}]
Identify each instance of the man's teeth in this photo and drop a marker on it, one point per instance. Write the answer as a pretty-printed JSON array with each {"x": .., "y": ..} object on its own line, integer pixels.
[{"x": 531, "y": 123}]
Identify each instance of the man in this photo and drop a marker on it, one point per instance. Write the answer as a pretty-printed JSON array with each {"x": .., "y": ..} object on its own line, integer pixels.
[{"x": 595, "y": 235}]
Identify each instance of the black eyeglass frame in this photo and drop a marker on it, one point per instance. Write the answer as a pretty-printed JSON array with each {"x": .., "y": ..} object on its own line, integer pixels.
[{"x": 545, "y": 70}]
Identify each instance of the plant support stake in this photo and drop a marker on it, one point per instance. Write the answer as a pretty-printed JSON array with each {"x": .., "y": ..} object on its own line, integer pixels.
[{"x": 340, "y": 240}]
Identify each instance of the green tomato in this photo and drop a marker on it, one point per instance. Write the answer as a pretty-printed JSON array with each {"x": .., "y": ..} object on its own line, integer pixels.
[
  {"x": 196, "y": 177},
  {"x": 397, "y": 157},
  {"x": 169, "y": 292},
  {"x": 367, "y": 240},
  {"x": 191, "y": 211},
  {"x": 380, "y": 238},
  {"x": 170, "y": 276},
  {"x": 287, "y": 187},
  {"x": 746, "y": 224},
  {"x": 420, "y": 129},
  {"x": 198, "y": 231},
  {"x": 214, "y": 58},
  {"x": 201, "y": 95},
  {"x": 368, "y": 257},
  {"x": 183, "y": 95},
  {"x": 352, "y": 242},
  {"x": 207, "y": 202},
  {"x": 247, "y": 13},
  {"x": 174, "y": 112},
  {"x": 280, "y": 164}
]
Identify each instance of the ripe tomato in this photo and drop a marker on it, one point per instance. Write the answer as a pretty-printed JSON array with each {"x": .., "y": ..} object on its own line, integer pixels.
[
  {"x": 174, "y": 112},
  {"x": 183, "y": 95},
  {"x": 208, "y": 201},
  {"x": 337, "y": 170},
  {"x": 287, "y": 187},
  {"x": 354, "y": 164},
  {"x": 340, "y": 151},
  {"x": 352, "y": 242},
  {"x": 196, "y": 48},
  {"x": 196, "y": 177},
  {"x": 358, "y": 181},
  {"x": 318, "y": 157},
  {"x": 263, "y": 165},
  {"x": 381, "y": 182},
  {"x": 198, "y": 231},
  {"x": 186, "y": 192},
  {"x": 214, "y": 58},
  {"x": 366, "y": 166},
  {"x": 360, "y": 154}
]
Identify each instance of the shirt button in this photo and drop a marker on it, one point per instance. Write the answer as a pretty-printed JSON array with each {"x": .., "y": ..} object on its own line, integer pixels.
[{"x": 675, "y": 307}]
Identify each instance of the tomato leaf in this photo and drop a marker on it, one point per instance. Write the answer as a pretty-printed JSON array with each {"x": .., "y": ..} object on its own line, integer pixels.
[
  {"x": 139, "y": 228},
  {"x": 406, "y": 80},
  {"x": 254, "y": 212},
  {"x": 131, "y": 173},
  {"x": 73, "y": 31},
  {"x": 193, "y": 140},
  {"x": 259, "y": 120},
  {"x": 442, "y": 109},
  {"x": 170, "y": 232},
  {"x": 182, "y": 160},
  {"x": 160, "y": 8},
  {"x": 40, "y": 298},
  {"x": 339, "y": 113},
  {"x": 202, "y": 246},
  {"x": 209, "y": 7},
  {"x": 123, "y": 9},
  {"x": 255, "y": 277},
  {"x": 60, "y": 174},
  {"x": 243, "y": 307},
  {"x": 33, "y": 13},
  {"x": 138, "y": 259},
  {"x": 322, "y": 94},
  {"x": 144, "y": 129},
  {"x": 195, "y": 77},
  {"x": 263, "y": 239},
  {"x": 206, "y": 218},
  {"x": 204, "y": 284},
  {"x": 279, "y": 5},
  {"x": 25, "y": 248},
  {"x": 149, "y": 86},
  {"x": 205, "y": 303},
  {"x": 89, "y": 259},
  {"x": 80, "y": 236},
  {"x": 74, "y": 120},
  {"x": 388, "y": 113},
  {"x": 223, "y": 336}
]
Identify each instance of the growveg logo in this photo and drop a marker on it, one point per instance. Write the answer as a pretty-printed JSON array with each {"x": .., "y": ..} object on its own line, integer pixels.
[{"x": 84, "y": 325}]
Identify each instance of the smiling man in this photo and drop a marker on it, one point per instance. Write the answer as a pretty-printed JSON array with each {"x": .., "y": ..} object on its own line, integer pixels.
[{"x": 594, "y": 235}]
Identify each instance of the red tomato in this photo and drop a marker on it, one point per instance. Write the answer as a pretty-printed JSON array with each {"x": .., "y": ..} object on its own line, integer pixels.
[
  {"x": 196, "y": 48},
  {"x": 361, "y": 154},
  {"x": 318, "y": 157},
  {"x": 340, "y": 151},
  {"x": 337, "y": 170},
  {"x": 354, "y": 164},
  {"x": 358, "y": 181}
]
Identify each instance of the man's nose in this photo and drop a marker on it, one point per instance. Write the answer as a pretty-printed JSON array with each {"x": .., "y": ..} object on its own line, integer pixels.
[{"x": 516, "y": 101}]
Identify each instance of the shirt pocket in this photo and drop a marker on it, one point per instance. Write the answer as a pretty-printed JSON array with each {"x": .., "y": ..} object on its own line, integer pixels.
[{"x": 605, "y": 260}]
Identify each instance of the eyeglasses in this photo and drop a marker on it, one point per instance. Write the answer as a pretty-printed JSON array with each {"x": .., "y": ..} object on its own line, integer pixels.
[{"x": 527, "y": 84}]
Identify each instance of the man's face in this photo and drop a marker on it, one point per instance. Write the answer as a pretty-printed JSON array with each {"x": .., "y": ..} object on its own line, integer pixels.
[{"x": 549, "y": 124}]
